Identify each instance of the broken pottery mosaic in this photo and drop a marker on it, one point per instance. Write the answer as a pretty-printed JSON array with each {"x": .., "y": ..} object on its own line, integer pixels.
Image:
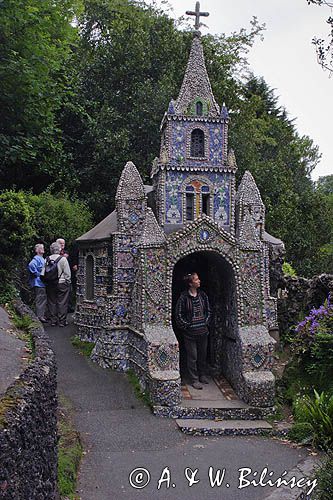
[{"x": 191, "y": 218}]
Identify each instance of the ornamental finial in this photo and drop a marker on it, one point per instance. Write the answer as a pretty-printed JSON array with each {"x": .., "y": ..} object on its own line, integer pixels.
[{"x": 197, "y": 15}]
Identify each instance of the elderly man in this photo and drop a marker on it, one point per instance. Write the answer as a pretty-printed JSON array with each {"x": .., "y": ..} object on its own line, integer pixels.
[
  {"x": 35, "y": 267},
  {"x": 65, "y": 253},
  {"x": 58, "y": 292}
]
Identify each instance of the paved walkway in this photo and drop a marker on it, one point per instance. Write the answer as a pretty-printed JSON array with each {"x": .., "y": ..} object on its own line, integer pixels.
[
  {"x": 121, "y": 435},
  {"x": 11, "y": 352}
]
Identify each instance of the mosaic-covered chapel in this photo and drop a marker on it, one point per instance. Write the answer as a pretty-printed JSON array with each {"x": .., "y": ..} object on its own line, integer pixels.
[{"x": 191, "y": 218}]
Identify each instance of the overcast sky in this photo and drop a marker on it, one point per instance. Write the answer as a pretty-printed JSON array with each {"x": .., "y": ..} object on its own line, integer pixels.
[{"x": 286, "y": 59}]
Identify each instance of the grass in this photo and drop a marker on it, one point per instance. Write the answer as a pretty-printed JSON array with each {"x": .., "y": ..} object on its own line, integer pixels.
[
  {"x": 84, "y": 348},
  {"x": 139, "y": 393},
  {"x": 70, "y": 451},
  {"x": 23, "y": 324}
]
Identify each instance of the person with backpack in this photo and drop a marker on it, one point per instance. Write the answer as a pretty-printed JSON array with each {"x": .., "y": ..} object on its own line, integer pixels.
[
  {"x": 56, "y": 275},
  {"x": 35, "y": 267}
]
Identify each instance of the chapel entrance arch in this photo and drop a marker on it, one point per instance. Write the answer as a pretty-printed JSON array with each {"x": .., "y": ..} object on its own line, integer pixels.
[{"x": 218, "y": 281}]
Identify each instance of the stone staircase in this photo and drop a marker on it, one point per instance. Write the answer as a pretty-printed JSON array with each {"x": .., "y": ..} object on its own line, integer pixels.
[{"x": 216, "y": 410}]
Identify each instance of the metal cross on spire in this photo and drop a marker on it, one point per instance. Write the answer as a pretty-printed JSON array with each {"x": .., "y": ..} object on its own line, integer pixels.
[{"x": 197, "y": 15}]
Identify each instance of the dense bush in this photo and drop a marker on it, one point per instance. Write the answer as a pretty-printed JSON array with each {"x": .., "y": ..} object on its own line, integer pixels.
[
  {"x": 16, "y": 233},
  {"x": 27, "y": 219},
  {"x": 57, "y": 216}
]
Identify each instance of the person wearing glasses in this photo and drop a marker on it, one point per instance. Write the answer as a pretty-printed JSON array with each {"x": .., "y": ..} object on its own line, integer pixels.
[{"x": 192, "y": 316}]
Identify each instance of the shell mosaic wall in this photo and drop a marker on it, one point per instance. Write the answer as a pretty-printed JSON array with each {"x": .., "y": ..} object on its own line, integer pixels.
[{"x": 130, "y": 260}]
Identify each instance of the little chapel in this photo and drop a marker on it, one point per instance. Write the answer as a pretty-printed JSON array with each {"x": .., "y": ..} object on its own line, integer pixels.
[{"x": 191, "y": 218}]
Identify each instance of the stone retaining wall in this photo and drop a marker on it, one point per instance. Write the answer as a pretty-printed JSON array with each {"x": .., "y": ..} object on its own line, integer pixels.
[{"x": 28, "y": 426}]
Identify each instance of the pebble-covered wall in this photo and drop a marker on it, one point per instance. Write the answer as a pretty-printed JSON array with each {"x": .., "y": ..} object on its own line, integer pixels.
[{"x": 28, "y": 426}]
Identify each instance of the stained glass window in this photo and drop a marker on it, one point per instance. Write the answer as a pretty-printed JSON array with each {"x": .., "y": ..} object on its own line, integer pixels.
[{"x": 197, "y": 143}]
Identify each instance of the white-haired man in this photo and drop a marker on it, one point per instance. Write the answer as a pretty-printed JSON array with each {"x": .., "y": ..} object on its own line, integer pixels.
[{"x": 35, "y": 267}]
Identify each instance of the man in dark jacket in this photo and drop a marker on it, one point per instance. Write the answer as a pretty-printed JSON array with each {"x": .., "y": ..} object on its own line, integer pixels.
[{"x": 192, "y": 316}]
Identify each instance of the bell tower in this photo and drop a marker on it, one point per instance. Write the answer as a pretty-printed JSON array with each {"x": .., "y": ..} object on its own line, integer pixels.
[{"x": 194, "y": 174}]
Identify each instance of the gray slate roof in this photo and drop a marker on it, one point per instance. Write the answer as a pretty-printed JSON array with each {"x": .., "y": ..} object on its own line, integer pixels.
[{"x": 103, "y": 230}]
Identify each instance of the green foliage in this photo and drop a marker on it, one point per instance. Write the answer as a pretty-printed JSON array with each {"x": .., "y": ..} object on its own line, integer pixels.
[
  {"x": 324, "y": 474},
  {"x": 130, "y": 62},
  {"x": 36, "y": 44},
  {"x": 16, "y": 232},
  {"x": 8, "y": 292},
  {"x": 324, "y": 48},
  {"x": 296, "y": 381},
  {"x": 317, "y": 412},
  {"x": 26, "y": 219},
  {"x": 266, "y": 143},
  {"x": 85, "y": 348},
  {"x": 58, "y": 216},
  {"x": 22, "y": 322},
  {"x": 80, "y": 99},
  {"x": 301, "y": 432},
  {"x": 288, "y": 269},
  {"x": 325, "y": 184},
  {"x": 69, "y": 451}
]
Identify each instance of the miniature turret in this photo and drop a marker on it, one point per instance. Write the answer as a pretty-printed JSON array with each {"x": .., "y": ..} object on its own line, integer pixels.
[
  {"x": 131, "y": 201},
  {"x": 248, "y": 201}
]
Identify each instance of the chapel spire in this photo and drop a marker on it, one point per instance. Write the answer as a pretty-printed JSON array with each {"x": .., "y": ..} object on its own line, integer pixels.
[
  {"x": 196, "y": 97},
  {"x": 196, "y": 85}
]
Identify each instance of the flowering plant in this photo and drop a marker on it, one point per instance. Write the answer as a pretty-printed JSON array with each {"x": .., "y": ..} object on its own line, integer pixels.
[{"x": 313, "y": 342}]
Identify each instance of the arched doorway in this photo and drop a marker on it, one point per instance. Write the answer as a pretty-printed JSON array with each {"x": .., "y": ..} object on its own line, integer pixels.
[{"x": 218, "y": 281}]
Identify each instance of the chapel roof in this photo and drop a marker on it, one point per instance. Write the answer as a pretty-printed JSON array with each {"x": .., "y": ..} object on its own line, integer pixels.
[{"x": 103, "y": 230}]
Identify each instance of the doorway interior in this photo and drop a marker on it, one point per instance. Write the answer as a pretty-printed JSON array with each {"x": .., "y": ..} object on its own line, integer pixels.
[{"x": 218, "y": 281}]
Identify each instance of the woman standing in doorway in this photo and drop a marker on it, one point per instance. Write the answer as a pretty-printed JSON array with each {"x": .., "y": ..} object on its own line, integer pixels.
[{"x": 192, "y": 316}]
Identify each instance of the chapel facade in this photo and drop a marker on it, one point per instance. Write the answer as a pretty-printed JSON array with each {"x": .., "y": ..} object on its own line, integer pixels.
[{"x": 192, "y": 218}]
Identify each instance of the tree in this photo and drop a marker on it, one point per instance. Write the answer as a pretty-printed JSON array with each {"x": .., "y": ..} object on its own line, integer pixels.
[
  {"x": 36, "y": 40},
  {"x": 325, "y": 184},
  {"x": 267, "y": 144},
  {"x": 325, "y": 48},
  {"x": 131, "y": 61}
]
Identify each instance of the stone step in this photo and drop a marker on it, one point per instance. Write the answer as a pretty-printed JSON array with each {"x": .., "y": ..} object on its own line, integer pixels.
[
  {"x": 207, "y": 427},
  {"x": 211, "y": 410}
]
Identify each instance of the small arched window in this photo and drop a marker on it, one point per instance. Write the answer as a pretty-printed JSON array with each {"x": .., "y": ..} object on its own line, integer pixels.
[
  {"x": 199, "y": 108},
  {"x": 197, "y": 143},
  {"x": 90, "y": 277}
]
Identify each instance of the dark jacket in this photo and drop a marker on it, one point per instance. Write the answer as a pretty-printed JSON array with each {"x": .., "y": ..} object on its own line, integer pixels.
[{"x": 184, "y": 310}]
